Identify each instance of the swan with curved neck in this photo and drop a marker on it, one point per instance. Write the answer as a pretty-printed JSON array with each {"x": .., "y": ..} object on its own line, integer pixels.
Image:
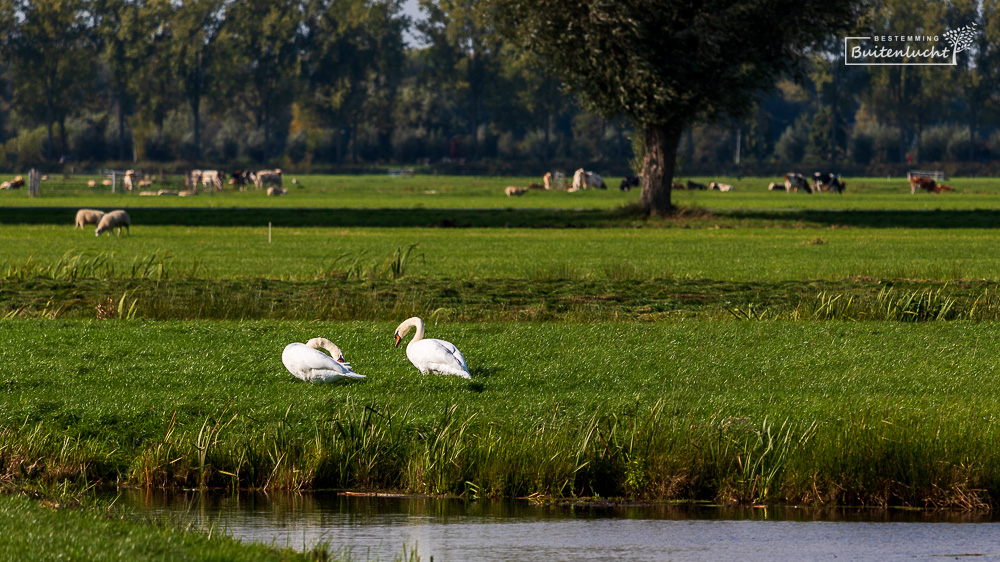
[
  {"x": 431, "y": 355},
  {"x": 308, "y": 363}
]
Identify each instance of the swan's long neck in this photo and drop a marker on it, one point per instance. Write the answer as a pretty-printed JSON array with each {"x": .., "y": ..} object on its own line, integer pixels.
[
  {"x": 419, "y": 333},
  {"x": 328, "y": 345},
  {"x": 408, "y": 325}
]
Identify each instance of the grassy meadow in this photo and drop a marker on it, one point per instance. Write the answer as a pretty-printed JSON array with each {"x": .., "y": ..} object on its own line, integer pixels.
[
  {"x": 874, "y": 413},
  {"x": 756, "y": 348},
  {"x": 480, "y": 192}
]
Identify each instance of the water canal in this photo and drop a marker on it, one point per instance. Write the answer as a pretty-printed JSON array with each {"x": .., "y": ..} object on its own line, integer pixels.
[{"x": 379, "y": 528}]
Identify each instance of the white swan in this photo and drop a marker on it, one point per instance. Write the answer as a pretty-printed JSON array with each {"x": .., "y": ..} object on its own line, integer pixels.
[
  {"x": 434, "y": 356},
  {"x": 308, "y": 363}
]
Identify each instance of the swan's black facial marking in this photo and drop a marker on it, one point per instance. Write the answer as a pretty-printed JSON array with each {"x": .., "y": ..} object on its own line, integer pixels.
[{"x": 398, "y": 338}]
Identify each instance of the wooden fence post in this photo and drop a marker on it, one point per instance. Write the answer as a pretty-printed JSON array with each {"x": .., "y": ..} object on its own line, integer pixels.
[{"x": 33, "y": 180}]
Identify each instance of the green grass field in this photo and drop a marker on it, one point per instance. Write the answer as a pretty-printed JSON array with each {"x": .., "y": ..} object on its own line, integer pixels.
[
  {"x": 730, "y": 254},
  {"x": 758, "y": 347},
  {"x": 475, "y": 192},
  {"x": 874, "y": 413}
]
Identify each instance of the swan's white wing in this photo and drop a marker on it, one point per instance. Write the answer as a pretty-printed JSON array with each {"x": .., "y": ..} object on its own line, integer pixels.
[
  {"x": 310, "y": 364},
  {"x": 437, "y": 356}
]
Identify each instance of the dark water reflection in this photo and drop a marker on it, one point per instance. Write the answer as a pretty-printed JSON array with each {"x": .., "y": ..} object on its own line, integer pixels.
[{"x": 448, "y": 529}]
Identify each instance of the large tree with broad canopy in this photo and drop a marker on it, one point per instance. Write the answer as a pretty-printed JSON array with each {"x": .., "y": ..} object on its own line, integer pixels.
[{"x": 667, "y": 64}]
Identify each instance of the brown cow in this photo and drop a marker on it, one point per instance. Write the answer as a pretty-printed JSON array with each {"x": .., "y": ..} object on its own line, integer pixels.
[{"x": 927, "y": 184}]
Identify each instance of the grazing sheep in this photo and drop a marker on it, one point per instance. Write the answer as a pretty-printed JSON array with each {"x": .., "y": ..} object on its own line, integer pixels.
[
  {"x": 145, "y": 183},
  {"x": 91, "y": 183},
  {"x": 114, "y": 219},
  {"x": 87, "y": 216},
  {"x": 187, "y": 192},
  {"x": 512, "y": 190},
  {"x": 275, "y": 191},
  {"x": 720, "y": 186}
]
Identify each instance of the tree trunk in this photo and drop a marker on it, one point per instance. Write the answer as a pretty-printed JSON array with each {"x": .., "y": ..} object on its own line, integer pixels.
[
  {"x": 196, "y": 115},
  {"x": 121, "y": 126},
  {"x": 658, "y": 167}
]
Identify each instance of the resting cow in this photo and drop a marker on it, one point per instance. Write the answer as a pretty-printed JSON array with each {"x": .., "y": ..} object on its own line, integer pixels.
[
  {"x": 13, "y": 184},
  {"x": 628, "y": 182},
  {"x": 583, "y": 179},
  {"x": 828, "y": 182},
  {"x": 796, "y": 182}
]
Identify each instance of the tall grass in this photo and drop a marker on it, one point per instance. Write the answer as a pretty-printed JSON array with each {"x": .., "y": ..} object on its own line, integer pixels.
[
  {"x": 75, "y": 265},
  {"x": 886, "y": 304},
  {"x": 359, "y": 266},
  {"x": 875, "y": 413}
]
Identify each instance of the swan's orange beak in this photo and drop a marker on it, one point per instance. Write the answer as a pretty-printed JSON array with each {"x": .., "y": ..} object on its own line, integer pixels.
[
  {"x": 398, "y": 338},
  {"x": 340, "y": 359}
]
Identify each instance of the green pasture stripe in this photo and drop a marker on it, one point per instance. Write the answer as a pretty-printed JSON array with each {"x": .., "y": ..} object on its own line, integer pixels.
[
  {"x": 821, "y": 412},
  {"x": 722, "y": 254}
]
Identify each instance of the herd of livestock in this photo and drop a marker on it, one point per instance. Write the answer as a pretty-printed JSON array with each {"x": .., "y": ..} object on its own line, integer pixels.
[
  {"x": 213, "y": 180},
  {"x": 582, "y": 179},
  {"x": 794, "y": 183}
]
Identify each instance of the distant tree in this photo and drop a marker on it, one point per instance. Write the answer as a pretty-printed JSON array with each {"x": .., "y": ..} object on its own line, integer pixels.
[
  {"x": 50, "y": 55},
  {"x": 666, "y": 64},
  {"x": 193, "y": 51},
  {"x": 160, "y": 88},
  {"x": 353, "y": 58},
  {"x": 459, "y": 34},
  {"x": 123, "y": 35},
  {"x": 266, "y": 35}
]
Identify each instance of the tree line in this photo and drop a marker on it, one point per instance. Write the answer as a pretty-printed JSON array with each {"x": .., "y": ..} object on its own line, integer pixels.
[{"x": 336, "y": 84}]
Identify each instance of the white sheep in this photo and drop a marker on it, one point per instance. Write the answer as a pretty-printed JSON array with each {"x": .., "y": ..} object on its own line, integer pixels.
[
  {"x": 114, "y": 219},
  {"x": 87, "y": 216},
  {"x": 513, "y": 190}
]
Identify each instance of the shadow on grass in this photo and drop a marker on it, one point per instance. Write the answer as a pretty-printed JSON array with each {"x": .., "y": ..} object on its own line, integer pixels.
[
  {"x": 282, "y": 217},
  {"x": 516, "y": 218},
  {"x": 476, "y": 387},
  {"x": 863, "y": 218}
]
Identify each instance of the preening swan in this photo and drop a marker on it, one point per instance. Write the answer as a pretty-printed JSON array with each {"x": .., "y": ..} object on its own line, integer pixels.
[
  {"x": 431, "y": 356},
  {"x": 308, "y": 363}
]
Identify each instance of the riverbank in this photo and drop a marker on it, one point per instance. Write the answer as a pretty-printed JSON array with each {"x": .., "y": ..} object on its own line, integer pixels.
[
  {"x": 819, "y": 413},
  {"x": 54, "y": 529}
]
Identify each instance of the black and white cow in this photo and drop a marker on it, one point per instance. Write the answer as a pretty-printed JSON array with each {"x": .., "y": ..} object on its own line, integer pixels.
[{"x": 826, "y": 181}]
